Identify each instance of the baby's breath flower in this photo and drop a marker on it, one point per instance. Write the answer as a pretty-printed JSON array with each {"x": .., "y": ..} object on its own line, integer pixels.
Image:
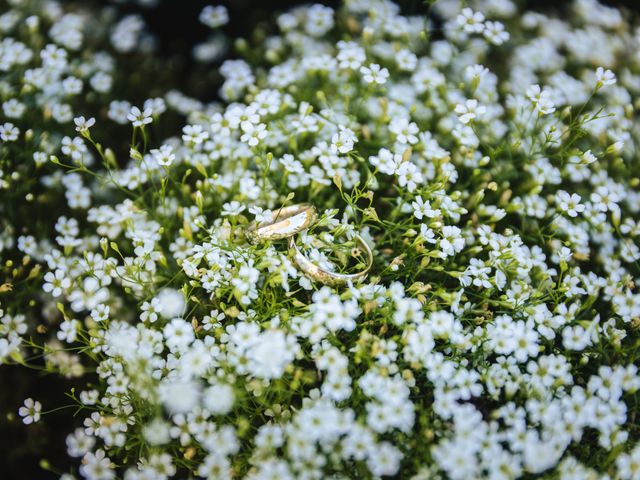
[
  {"x": 261, "y": 214},
  {"x": 569, "y": 203},
  {"x": 100, "y": 313},
  {"x": 140, "y": 118},
  {"x": 422, "y": 208},
  {"x": 214, "y": 17},
  {"x": 30, "y": 412},
  {"x": 374, "y": 74},
  {"x": 83, "y": 125},
  {"x": 494, "y": 333},
  {"x": 604, "y": 78},
  {"x": 232, "y": 208},
  {"x": 470, "y": 21},
  {"x": 164, "y": 155},
  {"x": 469, "y": 110},
  {"x": 588, "y": 157},
  {"x": 495, "y": 33},
  {"x": 540, "y": 99},
  {"x": 194, "y": 134},
  {"x": 56, "y": 282},
  {"x": 9, "y": 132},
  {"x": 253, "y": 134}
]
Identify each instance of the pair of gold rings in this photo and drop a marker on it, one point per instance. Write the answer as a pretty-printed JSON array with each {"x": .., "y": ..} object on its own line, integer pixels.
[{"x": 286, "y": 223}]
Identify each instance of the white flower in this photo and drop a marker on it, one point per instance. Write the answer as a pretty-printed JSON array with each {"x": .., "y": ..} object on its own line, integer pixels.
[
  {"x": 30, "y": 412},
  {"x": 290, "y": 164},
  {"x": 427, "y": 234},
  {"x": 386, "y": 161},
  {"x": 343, "y": 141},
  {"x": 575, "y": 338},
  {"x": 213, "y": 320},
  {"x": 151, "y": 309},
  {"x": 350, "y": 55},
  {"x": 604, "y": 200},
  {"x": 404, "y": 130},
  {"x": 261, "y": 214},
  {"x": 9, "y": 132},
  {"x": 100, "y": 313},
  {"x": 374, "y": 74},
  {"x": 97, "y": 466},
  {"x": 451, "y": 241},
  {"x": 140, "y": 118},
  {"x": 270, "y": 353},
  {"x": 540, "y": 99},
  {"x": 179, "y": 396},
  {"x": 101, "y": 82},
  {"x": 219, "y": 399},
  {"x": 604, "y": 77},
  {"x": 495, "y": 33},
  {"x": 319, "y": 20},
  {"x": 83, "y": 125},
  {"x": 164, "y": 156},
  {"x": 75, "y": 148},
  {"x": 470, "y": 21},
  {"x": 170, "y": 303},
  {"x": 588, "y": 158},
  {"x": 231, "y": 209},
  {"x": 68, "y": 331},
  {"x": 406, "y": 60},
  {"x": 119, "y": 111},
  {"x": 628, "y": 464},
  {"x": 178, "y": 334},
  {"x": 56, "y": 282},
  {"x": 565, "y": 254},
  {"x": 12, "y": 108},
  {"x": 89, "y": 397},
  {"x": 422, "y": 208},
  {"x": 157, "y": 432},
  {"x": 569, "y": 203},
  {"x": 194, "y": 134},
  {"x": 217, "y": 466},
  {"x": 214, "y": 17},
  {"x": 409, "y": 176},
  {"x": 470, "y": 110},
  {"x": 384, "y": 460},
  {"x": 253, "y": 134}
]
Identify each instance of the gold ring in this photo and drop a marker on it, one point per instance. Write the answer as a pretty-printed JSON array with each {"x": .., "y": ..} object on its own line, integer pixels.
[
  {"x": 328, "y": 277},
  {"x": 286, "y": 222}
]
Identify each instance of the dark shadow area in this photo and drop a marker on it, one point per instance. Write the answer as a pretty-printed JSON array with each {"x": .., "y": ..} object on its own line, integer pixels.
[{"x": 23, "y": 447}]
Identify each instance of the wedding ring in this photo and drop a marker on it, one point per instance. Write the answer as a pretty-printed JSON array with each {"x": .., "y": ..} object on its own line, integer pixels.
[
  {"x": 328, "y": 277},
  {"x": 285, "y": 222}
]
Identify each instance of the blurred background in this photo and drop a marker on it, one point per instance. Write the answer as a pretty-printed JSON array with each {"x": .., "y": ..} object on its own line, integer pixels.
[{"x": 175, "y": 25}]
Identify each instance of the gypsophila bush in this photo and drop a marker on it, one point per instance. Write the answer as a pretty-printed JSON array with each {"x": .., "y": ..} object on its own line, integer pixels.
[{"x": 487, "y": 155}]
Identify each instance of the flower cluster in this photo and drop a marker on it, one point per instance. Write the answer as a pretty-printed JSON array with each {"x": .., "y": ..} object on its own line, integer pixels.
[{"x": 490, "y": 164}]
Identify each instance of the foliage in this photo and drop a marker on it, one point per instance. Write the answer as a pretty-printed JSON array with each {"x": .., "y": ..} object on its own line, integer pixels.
[{"x": 490, "y": 163}]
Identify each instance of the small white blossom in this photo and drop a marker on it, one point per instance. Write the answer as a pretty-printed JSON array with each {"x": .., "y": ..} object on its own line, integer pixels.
[
  {"x": 604, "y": 77},
  {"x": 214, "y": 17},
  {"x": 470, "y": 110},
  {"x": 30, "y": 412},
  {"x": 470, "y": 21},
  {"x": 140, "y": 118},
  {"x": 83, "y": 125},
  {"x": 374, "y": 74}
]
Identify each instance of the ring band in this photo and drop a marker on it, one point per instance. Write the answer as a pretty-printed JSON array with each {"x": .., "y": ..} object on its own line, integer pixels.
[
  {"x": 286, "y": 222},
  {"x": 328, "y": 277}
]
